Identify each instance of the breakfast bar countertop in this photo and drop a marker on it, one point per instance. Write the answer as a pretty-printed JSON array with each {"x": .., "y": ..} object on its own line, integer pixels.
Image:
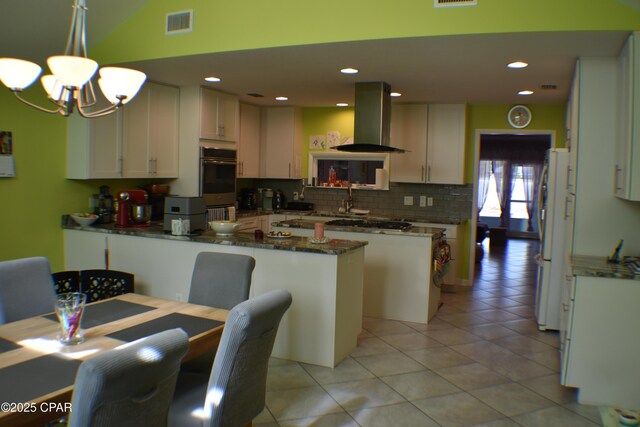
[
  {"x": 417, "y": 231},
  {"x": 293, "y": 243},
  {"x": 597, "y": 266}
]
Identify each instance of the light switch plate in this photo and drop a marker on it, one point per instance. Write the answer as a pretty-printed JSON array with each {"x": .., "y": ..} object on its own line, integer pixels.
[
  {"x": 430, "y": 201},
  {"x": 408, "y": 200},
  {"x": 423, "y": 201}
]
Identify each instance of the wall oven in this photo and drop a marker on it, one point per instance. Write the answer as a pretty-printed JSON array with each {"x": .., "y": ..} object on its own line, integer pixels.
[{"x": 218, "y": 176}]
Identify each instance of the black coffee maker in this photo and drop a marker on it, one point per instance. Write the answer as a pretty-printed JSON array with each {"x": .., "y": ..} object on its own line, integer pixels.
[
  {"x": 248, "y": 199},
  {"x": 279, "y": 200},
  {"x": 102, "y": 205}
]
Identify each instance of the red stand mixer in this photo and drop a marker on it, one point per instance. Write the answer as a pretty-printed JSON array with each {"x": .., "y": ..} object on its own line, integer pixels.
[{"x": 134, "y": 209}]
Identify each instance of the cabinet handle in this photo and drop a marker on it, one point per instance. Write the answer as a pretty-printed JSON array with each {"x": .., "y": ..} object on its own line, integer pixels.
[
  {"x": 151, "y": 166},
  {"x": 428, "y": 173},
  {"x": 155, "y": 166},
  {"x": 422, "y": 173},
  {"x": 221, "y": 130},
  {"x": 121, "y": 162},
  {"x": 289, "y": 170},
  {"x": 618, "y": 170},
  {"x": 566, "y": 208},
  {"x": 569, "y": 177}
]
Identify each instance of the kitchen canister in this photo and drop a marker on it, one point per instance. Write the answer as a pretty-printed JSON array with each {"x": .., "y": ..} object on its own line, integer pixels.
[{"x": 180, "y": 227}]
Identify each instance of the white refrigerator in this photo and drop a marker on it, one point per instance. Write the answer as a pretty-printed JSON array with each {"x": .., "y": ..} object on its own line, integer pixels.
[{"x": 551, "y": 212}]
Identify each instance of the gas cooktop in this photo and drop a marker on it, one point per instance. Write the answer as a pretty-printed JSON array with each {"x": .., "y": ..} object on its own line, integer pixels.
[{"x": 371, "y": 223}]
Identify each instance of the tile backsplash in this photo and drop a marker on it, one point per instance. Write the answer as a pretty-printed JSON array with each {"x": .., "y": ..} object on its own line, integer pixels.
[{"x": 449, "y": 201}]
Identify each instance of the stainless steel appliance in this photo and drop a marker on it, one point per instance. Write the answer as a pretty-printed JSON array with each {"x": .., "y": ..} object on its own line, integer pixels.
[
  {"x": 133, "y": 209},
  {"x": 191, "y": 208},
  {"x": 218, "y": 175},
  {"x": 102, "y": 205}
]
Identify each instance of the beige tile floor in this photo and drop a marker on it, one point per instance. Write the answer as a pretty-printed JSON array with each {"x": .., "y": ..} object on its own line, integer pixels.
[{"x": 480, "y": 362}]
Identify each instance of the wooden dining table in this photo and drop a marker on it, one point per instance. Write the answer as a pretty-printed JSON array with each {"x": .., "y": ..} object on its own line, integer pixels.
[{"x": 37, "y": 372}]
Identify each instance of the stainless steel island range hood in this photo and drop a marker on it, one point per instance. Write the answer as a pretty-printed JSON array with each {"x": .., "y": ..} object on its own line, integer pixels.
[{"x": 372, "y": 125}]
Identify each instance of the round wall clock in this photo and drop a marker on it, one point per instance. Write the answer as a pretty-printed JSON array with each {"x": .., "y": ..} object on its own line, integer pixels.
[{"x": 519, "y": 116}]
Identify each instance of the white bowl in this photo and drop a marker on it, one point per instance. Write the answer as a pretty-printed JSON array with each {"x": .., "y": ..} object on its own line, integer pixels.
[
  {"x": 84, "y": 219},
  {"x": 224, "y": 228}
]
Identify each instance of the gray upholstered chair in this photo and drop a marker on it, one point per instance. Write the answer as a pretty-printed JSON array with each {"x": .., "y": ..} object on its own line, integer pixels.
[
  {"x": 234, "y": 393},
  {"x": 221, "y": 280},
  {"x": 26, "y": 289},
  {"x": 129, "y": 386}
]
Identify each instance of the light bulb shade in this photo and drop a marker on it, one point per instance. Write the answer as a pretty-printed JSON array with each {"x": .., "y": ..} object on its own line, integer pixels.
[
  {"x": 72, "y": 71},
  {"x": 17, "y": 74},
  {"x": 116, "y": 83},
  {"x": 52, "y": 86}
]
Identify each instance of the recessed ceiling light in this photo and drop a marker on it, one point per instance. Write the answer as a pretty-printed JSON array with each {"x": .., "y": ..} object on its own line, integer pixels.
[
  {"x": 281, "y": 98},
  {"x": 517, "y": 64},
  {"x": 525, "y": 92},
  {"x": 396, "y": 94},
  {"x": 349, "y": 70},
  {"x": 342, "y": 104},
  {"x": 213, "y": 79}
]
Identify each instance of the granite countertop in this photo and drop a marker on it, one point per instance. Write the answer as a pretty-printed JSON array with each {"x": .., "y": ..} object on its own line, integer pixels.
[
  {"x": 416, "y": 231},
  {"x": 597, "y": 266},
  {"x": 294, "y": 243},
  {"x": 332, "y": 214}
]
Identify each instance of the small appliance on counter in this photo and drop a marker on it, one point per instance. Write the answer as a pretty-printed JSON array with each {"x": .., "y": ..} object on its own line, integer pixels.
[
  {"x": 134, "y": 209},
  {"x": 102, "y": 205},
  {"x": 248, "y": 199},
  {"x": 267, "y": 198},
  {"x": 191, "y": 208},
  {"x": 279, "y": 200},
  {"x": 157, "y": 194}
]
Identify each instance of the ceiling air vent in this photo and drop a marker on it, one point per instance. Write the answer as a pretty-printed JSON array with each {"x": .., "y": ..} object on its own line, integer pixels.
[
  {"x": 179, "y": 22},
  {"x": 548, "y": 87},
  {"x": 454, "y": 3}
]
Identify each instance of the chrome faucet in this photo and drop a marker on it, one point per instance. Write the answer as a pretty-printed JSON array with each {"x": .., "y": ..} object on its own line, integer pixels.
[{"x": 349, "y": 202}]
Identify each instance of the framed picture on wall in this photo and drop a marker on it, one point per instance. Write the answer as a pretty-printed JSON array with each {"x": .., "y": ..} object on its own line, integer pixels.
[{"x": 7, "y": 163}]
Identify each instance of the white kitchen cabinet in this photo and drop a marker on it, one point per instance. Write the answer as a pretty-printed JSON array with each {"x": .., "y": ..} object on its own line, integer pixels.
[
  {"x": 446, "y": 136},
  {"x": 249, "y": 142},
  {"x": 219, "y": 115},
  {"x": 627, "y": 141},
  {"x": 601, "y": 343},
  {"x": 282, "y": 142},
  {"x": 138, "y": 141},
  {"x": 249, "y": 224},
  {"x": 409, "y": 131},
  {"x": 435, "y": 137}
]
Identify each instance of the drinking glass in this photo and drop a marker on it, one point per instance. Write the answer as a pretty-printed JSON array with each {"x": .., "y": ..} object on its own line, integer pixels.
[{"x": 69, "y": 308}]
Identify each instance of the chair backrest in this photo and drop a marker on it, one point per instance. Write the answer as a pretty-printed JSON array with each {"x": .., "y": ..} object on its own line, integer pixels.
[
  {"x": 100, "y": 284},
  {"x": 131, "y": 385},
  {"x": 221, "y": 280},
  {"x": 26, "y": 289},
  {"x": 239, "y": 373},
  {"x": 66, "y": 281}
]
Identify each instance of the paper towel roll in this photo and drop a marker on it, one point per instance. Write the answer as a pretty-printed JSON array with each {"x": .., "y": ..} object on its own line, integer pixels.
[{"x": 381, "y": 178}]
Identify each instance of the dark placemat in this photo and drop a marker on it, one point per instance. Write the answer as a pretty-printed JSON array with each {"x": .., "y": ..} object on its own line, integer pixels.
[
  {"x": 190, "y": 324},
  {"x": 36, "y": 377},
  {"x": 6, "y": 345},
  {"x": 108, "y": 311}
]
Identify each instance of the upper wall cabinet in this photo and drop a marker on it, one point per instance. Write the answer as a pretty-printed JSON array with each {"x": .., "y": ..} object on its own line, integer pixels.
[
  {"x": 627, "y": 165},
  {"x": 282, "y": 142},
  {"x": 249, "y": 142},
  {"x": 138, "y": 141},
  {"x": 219, "y": 115},
  {"x": 435, "y": 137}
]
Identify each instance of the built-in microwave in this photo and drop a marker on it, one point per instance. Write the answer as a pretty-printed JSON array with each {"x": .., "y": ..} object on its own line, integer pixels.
[{"x": 218, "y": 176}]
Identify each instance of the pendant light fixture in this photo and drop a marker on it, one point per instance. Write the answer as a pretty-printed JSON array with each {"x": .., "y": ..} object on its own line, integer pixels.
[{"x": 69, "y": 87}]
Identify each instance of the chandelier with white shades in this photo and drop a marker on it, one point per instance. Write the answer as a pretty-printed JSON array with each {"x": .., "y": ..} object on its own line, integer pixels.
[{"x": 69, "y": 86}]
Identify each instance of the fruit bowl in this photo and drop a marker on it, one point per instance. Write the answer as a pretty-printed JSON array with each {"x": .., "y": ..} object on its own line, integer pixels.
[
  {"x": 224, "y": 228},
  {"x": 84, "y": 219}
]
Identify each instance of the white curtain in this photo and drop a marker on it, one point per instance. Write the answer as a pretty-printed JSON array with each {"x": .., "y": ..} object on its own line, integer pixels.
[
  {"x": 484, "y": 176},
  {"x": 531, "y": 178}
]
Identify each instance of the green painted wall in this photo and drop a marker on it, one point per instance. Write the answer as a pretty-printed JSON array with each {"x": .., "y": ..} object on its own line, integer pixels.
[{"x": 238, "y": 25}]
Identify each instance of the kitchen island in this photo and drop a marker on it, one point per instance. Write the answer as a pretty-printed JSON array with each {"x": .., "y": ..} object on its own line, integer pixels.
[
  {"x": 325, "y": 280},
  {"x": 398, "y": 267}
]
